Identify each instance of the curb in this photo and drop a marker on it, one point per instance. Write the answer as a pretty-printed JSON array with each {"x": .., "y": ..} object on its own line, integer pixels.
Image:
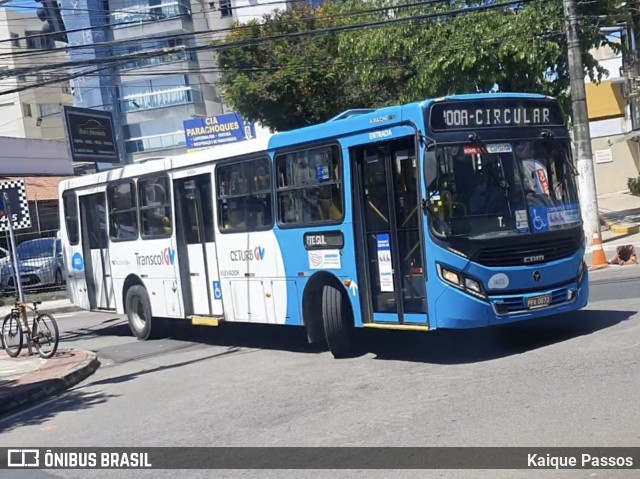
[
  {"x": 60, "y": 309},
  {"x": 625, "y": 229},
  {"x": 47, "y": 388},
  {"x": 44, "y": 309}
]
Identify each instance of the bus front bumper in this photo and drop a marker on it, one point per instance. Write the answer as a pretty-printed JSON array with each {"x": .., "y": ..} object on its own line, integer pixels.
[{"x": 458, "y": 310}]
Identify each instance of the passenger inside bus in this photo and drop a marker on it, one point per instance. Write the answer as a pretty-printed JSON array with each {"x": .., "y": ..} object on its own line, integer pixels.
[
  {"x": 158, "y": 223},
  {"x": 487, "y": 198}
]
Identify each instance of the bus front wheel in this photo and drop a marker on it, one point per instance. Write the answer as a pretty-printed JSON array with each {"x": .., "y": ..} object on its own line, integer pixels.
[
  {"x": 336, "y": 316},
  {"x": 138, "y": 308}
]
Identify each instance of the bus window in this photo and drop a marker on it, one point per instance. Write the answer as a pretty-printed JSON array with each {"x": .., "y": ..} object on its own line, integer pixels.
[
  {"x": 155, "y": 207},
  {"x": 123, "y": 221},
  {"x": 70, "y": 205},
  {"x": 310, "y": 186},
  {"x": 244, "y": 196}
]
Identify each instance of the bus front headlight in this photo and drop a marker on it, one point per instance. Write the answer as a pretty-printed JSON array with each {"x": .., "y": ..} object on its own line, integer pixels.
[
  {"x": 451, "y": 276},
  {"x": 472, "y": 285},
  {"x": 462, "y": 281}
]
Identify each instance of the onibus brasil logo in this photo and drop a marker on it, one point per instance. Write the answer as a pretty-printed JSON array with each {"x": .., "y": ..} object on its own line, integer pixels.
[{"x": 166, "y": 257}]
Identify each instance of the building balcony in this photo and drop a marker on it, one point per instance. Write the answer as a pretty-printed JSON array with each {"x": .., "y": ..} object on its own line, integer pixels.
[{"x": 149, "y": 26}]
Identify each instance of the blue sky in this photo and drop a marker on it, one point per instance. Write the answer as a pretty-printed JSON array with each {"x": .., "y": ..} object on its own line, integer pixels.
[{"x": 23, "y": 6}]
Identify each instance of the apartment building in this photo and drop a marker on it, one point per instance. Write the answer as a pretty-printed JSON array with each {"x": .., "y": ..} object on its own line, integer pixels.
[
  {"x": 614, "y": 142},
  {"x": 33, "y": 113},
  {"x": 151, "y": 96}
]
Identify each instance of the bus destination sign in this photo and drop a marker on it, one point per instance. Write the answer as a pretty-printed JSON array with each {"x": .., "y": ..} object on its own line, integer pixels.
[{"x": 497, "y": 113}]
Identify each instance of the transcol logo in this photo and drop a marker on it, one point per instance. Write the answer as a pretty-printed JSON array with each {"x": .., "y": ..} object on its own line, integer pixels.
[{"x": 166, "y": 257}]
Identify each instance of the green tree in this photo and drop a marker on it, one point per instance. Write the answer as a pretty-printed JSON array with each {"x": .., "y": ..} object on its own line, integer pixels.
[{"x": 418, "y": 51}]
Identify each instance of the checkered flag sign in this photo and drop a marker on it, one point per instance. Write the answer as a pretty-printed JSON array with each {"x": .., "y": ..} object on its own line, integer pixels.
[{"x": 16, "y": 193}]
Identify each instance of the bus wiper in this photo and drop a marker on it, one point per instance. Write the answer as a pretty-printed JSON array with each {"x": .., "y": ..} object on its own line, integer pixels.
[
  {"x": 484, "y": 155},
  {"x": 549, "y": 136}
]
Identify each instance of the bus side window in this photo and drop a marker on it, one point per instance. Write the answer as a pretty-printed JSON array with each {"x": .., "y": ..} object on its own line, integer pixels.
[
  {"x": 244, "y": 195},
  {"x": 123, "y": 220},
  {"x": 155, "y": 207},
  {"x": 310, "y": 186}
]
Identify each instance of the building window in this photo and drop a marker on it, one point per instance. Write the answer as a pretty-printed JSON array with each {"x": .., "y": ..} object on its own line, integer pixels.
[
  {"x": 37, "y": 41},
  {"x": 66, "y": 88},
  {"x": 176, "y": 56},
  {"x": 26, "y": 110},
  {"x": 123, "y": 218},
  {"x": 70, "y": 204},
  {"x": 309, "y": 187},
  {"x": 155, "y": 207},
  {"x": 49, "y": 109},
  {"x": 150, "y": 11},
  {"x": 244, "y": 196},
  {"x": 158, "y": 93},
  {"x": 225, "y": 8},
  {"x": 15, "y": 40},
  {"x": 156, "y": 142}
]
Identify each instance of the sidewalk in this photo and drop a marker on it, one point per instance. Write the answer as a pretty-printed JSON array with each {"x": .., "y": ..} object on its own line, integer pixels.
[
  {"x": 620, "y": 220},
  {"x": 26, "y": 379},
  {"x": 51, "y": 307},
  {"x": 620, "y": 213}
]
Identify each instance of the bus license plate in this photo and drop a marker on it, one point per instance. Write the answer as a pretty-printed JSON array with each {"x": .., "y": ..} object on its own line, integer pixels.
[{"x": 539, "y": 301}]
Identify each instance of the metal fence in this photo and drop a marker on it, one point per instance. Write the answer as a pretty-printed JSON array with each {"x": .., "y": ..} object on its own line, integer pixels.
[{"x": 39, "y": 259}]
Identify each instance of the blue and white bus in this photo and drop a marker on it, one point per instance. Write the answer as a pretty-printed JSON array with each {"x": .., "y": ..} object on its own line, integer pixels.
[{"x": 457, "y": 212}]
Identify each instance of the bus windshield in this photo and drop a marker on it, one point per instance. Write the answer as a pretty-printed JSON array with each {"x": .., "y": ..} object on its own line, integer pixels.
[{"x": 508, "y": 188}]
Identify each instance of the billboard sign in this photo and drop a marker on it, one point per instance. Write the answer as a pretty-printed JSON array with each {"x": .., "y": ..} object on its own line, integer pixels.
[
  {"x": 91, "y": 135},
  {"x": 217, "y": 130}
]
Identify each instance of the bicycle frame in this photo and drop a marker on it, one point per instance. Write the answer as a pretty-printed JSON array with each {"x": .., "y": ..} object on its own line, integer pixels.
[{"x": 20, "y": 308}]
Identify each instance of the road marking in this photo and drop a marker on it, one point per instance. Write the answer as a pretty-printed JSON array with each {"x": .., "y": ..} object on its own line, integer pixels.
[{"x": 65, "y": 315}]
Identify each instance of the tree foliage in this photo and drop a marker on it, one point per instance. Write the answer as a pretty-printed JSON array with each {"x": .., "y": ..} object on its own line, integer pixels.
[{"x": 275, "y": 72}]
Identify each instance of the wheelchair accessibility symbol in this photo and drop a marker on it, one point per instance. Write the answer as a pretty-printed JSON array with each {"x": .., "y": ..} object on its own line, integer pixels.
[
  {"x": 217, "y": 292},
  {"x": 538, "y": 222}
]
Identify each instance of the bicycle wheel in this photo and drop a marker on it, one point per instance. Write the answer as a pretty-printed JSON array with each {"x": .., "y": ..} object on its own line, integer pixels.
[
  {"x": 12, "y": 335},
  {"x": 45, "y": 335}
]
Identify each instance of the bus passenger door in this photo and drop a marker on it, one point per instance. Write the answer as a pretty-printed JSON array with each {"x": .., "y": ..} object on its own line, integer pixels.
[
  {"x": 387, "y": 218},
  {"x": 195, "y": 245},
  {"x": 95, "y": 249}
]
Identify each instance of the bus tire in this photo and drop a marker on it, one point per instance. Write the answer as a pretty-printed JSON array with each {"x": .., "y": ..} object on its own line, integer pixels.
[
  {"x": 336, "y": 318},
  {"x": 138, "y": 308}
]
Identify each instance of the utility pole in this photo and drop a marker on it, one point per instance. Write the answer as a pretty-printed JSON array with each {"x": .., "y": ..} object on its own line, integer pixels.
[{"x": 582, "y": 136}]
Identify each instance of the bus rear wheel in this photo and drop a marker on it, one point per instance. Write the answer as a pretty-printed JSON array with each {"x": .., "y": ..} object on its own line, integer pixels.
[
  {"x": 138, "y": 308},
  {"x": 337, "y": 319}
]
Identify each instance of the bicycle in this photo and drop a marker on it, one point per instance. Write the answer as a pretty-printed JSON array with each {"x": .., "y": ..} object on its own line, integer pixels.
[{"x": 16, "y": 323}]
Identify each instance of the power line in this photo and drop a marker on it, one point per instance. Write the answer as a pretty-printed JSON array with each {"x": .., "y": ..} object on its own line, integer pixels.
[
  {"x": 155, "y": 39},
  {"x": 255, "y": 41}
]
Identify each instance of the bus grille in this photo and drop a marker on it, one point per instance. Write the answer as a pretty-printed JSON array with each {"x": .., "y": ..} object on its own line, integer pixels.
[
  {"x": 528, "y": 253},
  {"x": 517, "y": 304}
]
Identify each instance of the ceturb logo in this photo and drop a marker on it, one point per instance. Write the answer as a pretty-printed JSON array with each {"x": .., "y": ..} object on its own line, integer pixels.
[
  {"x": 256, "y": 253},
  {"x": 166, "y": 257}
]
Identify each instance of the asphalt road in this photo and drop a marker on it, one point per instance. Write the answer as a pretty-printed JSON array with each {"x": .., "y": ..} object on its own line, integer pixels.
[{"x": 570, "y": 381}]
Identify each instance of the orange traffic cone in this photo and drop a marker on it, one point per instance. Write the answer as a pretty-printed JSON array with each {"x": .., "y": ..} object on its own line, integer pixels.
[{"x": 599, "y": 259}]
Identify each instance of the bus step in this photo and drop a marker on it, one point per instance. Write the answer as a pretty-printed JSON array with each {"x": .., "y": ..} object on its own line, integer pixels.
[
  {"x": 206, "y": 320},
  {"x": 404, "y": 327}
]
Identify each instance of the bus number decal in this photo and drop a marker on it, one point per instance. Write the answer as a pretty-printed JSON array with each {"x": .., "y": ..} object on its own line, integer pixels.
[{"x": 499, "y": 281}]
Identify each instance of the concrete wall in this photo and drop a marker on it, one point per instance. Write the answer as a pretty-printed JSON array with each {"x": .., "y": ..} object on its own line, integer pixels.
[
  {"x": 615, "y": 163},
  {"x": 20, "y": 156}
]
